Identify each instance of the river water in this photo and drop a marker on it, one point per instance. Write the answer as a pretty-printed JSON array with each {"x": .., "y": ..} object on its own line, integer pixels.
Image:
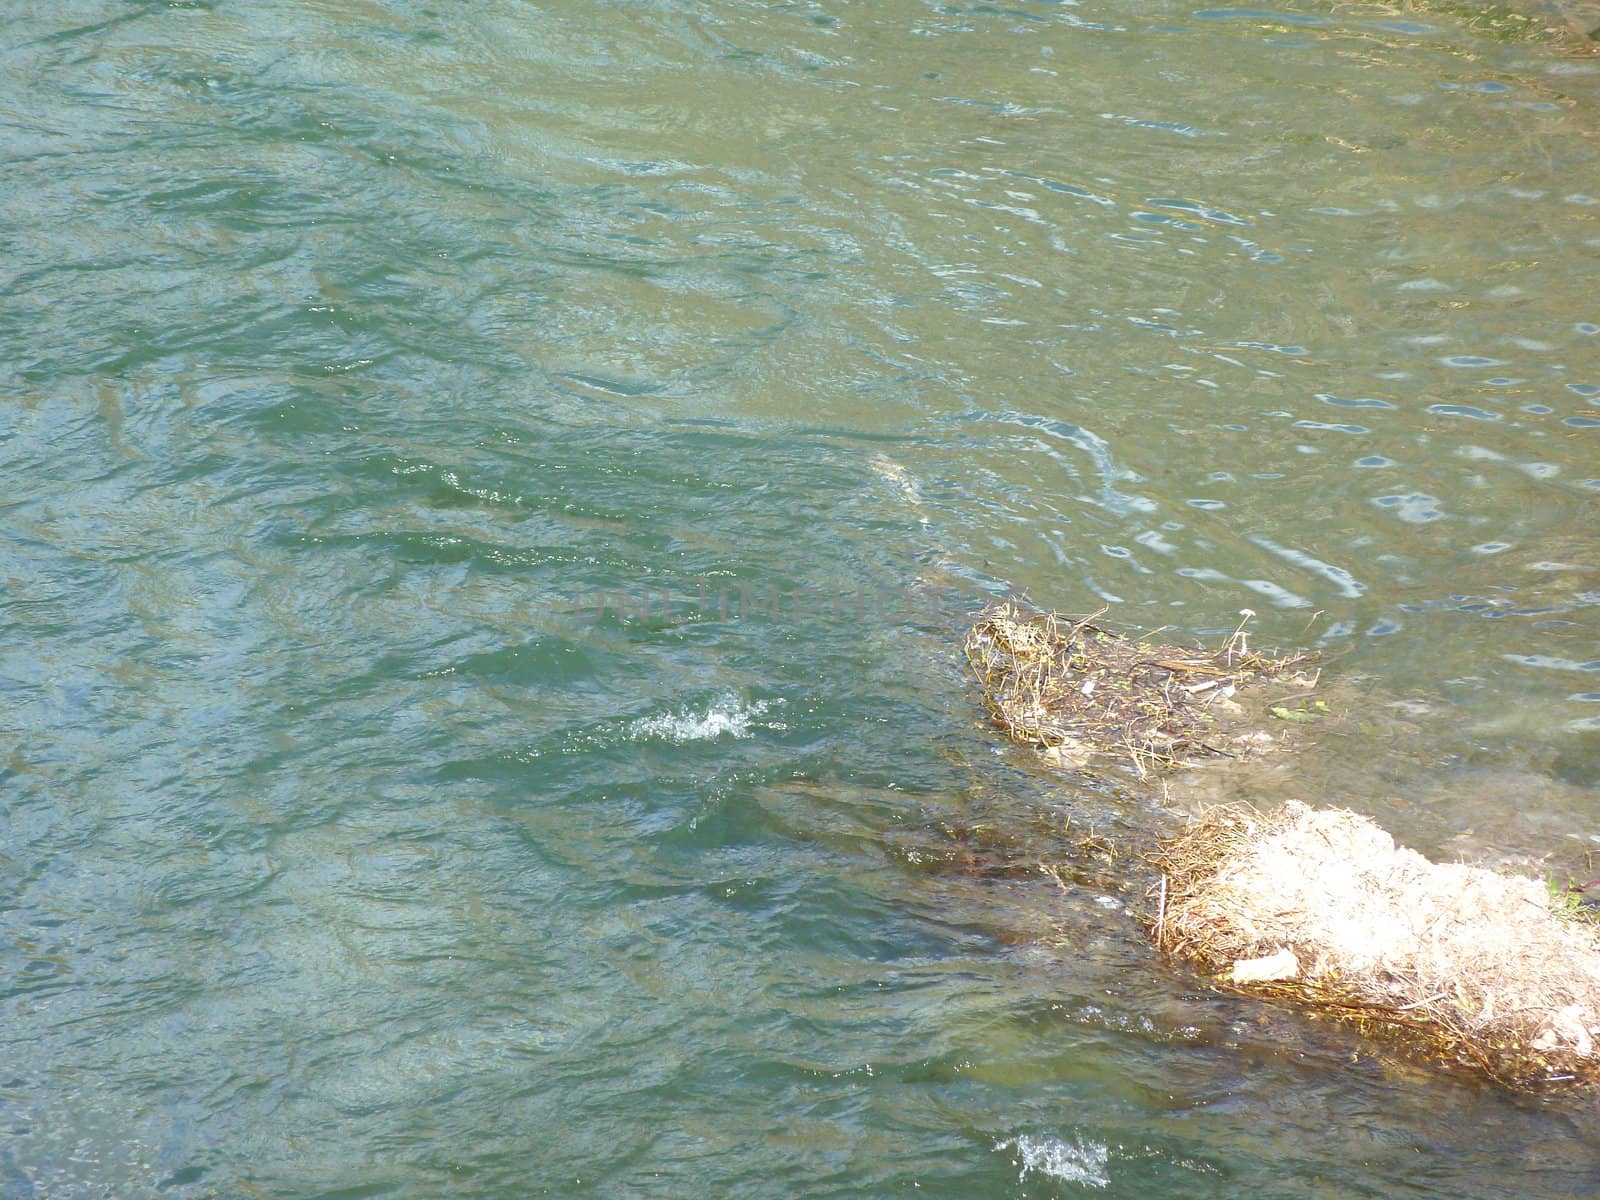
[{"x": 492, "y": 494}]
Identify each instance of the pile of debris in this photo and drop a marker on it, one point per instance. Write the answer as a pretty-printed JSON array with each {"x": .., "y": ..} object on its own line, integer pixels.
[
  {"x": 1067, "y": 685},
  {"x": 1495, "y": 971}
]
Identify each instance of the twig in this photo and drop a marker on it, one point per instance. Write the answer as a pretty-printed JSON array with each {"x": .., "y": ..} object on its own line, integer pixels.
[{"x": 1421, "y": 1003}]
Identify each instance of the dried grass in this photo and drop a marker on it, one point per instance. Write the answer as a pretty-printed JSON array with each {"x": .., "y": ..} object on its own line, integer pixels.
[
  {"x": 1066, "y": 684},
  {"x": 1460, "y": 962}
]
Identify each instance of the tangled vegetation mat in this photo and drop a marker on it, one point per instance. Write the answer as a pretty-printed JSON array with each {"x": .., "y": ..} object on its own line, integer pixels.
[
  {"x": 1495, "y": 971},
  {"x": 1068, "y": 685}
]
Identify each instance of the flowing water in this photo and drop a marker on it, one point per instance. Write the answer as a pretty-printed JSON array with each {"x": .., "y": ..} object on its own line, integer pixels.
[{"x": 492, "y": 494}]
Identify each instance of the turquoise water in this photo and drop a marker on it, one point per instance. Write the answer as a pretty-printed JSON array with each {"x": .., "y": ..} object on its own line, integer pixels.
[{"x": 492, "y": 495}]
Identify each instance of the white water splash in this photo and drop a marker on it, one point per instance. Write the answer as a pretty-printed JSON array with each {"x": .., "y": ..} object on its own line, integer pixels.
[
  {"x": 1082, "y": 1160},
  {"x": 730, "y": 715}
]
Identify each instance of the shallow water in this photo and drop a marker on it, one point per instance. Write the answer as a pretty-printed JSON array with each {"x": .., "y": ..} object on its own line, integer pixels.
[{"x": 491, "y": 494}]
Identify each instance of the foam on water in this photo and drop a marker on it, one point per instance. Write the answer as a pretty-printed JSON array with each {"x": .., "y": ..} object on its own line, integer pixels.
[
  {"x": 729, "y": 715},
  {"x": 1082, "y": 1160}
]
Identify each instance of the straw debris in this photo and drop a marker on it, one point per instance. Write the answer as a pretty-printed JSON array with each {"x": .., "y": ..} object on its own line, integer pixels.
[
  {"x": 1462, "y": 963},
  {"x": 1069, "y": 686}
]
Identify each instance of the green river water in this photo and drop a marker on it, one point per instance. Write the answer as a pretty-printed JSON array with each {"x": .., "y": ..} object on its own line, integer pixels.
[{"x": 493, "y": 492}]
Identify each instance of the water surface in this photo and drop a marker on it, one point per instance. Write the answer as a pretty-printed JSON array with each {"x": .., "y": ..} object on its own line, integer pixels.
[{"x": 476, "y": 481}]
